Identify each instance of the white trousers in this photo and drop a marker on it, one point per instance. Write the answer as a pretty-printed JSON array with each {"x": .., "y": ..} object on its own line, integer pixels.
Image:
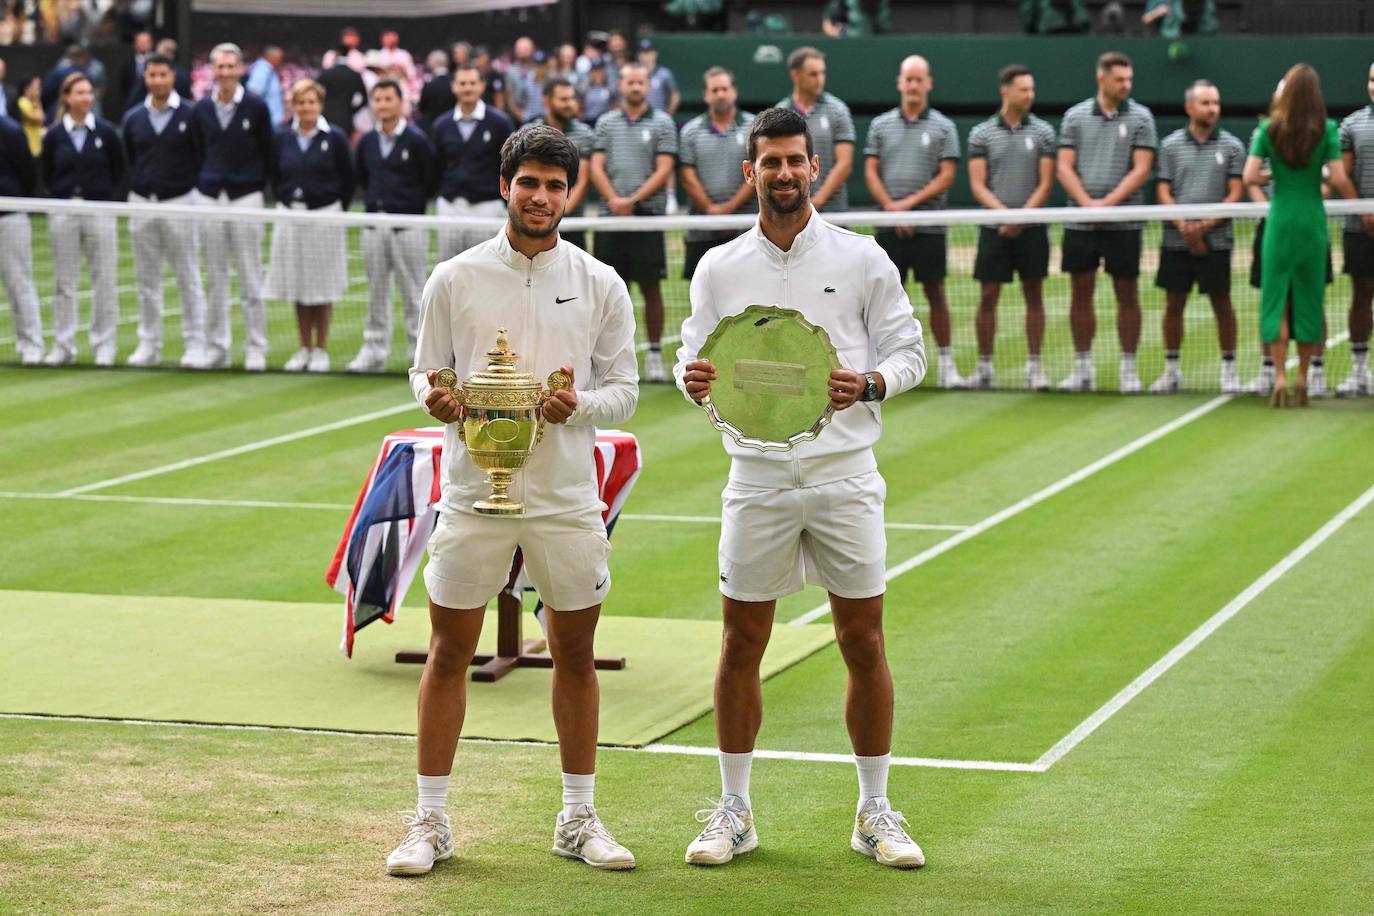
[
  {"x": 240, "y": 245},
  {"x": 98, "y": 237},
  {"x": 388, "y": 253},
  {"x": 456, "y": 241},
  {"x": 157, "y": 241},
  {"x": 16, "y": 271}
]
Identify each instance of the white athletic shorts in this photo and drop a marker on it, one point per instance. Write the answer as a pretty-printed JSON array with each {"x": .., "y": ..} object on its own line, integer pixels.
[
  {"x": 566, "y": 557},
  {"x": 773, "y": 542}
]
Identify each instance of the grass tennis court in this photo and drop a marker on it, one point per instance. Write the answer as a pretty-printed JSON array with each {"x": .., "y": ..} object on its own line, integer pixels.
[{"x": 1052, "y": 550}]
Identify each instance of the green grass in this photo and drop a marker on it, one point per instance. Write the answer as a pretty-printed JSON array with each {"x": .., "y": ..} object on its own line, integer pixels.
[{"x": 1237, "y": 782}]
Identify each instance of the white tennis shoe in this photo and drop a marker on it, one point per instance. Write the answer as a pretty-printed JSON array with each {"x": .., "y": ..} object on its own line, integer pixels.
[
  {"x": 1230, "y": 379},
  {"x": 584, "y": 837},
  {"x": 1036, "y": 379},
  {"x": 1316, "y": 383},
  {"x": 729, "y": 832},
  {"x": 1169, "y": 382},
  {"x": 298, "y": 361},
  {"x": 878, "y": 834},
  {"x": 653, "y": 367},
  {"x": 428, "y": 839},
  {"x": 1359, "y": 382},
  {"x": 1082, "y": 378}
]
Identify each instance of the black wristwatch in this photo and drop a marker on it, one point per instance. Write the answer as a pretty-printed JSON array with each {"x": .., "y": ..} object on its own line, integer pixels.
[{"x": 871, "y": 389}]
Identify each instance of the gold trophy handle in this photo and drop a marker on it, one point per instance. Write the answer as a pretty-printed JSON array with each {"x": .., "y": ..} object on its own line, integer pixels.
[
  {"x": 559, "y": 381},
  {"x": 447, "y": 378}
]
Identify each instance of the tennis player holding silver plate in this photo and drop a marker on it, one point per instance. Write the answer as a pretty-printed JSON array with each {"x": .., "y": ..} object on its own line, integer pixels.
[{"x": 807, "y": 507}]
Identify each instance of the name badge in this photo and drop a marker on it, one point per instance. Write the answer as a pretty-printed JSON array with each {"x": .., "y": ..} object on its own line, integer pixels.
[
  {"x": 486, "y": 136},
  {"x": 405, "y": 155},
  {"x": 647, "y": 135},
  {"x": 324, "y": 146},
  {"x": 247, "y": 125},
  {"x": 1030, "y": 144},
  {"x": 99, "y": 143},
  {"x": 182, "y": 127},
  {"x": 925, "y": 139},
  {"x": 1221, "y": 159},
  {"x": 1122, "y": 130},
  {"x": 825, "y": 123}
]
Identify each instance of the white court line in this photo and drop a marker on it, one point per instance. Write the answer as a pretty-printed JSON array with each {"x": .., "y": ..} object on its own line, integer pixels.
[
  {"x": 1034, "y": 499},
  {"x": 240, "y": 449},
  {"x": 715, "y": 520},
  {"x": 1195, "y": 638},
  {"x": 676, "y": 749}
]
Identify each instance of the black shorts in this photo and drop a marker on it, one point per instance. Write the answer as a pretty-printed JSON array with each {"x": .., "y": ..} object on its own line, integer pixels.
[
  {"x": 1028, "y": 254},
  {"x": 578, "y": 238},
  {"x": 1180, "y": 271},
  {"x": 1359, "y": 253},
  {"x": 1256, "y": 256},
  {"x": 638, "y": 257},
  {"x": 923, "y": 254},
  {"x": 1118, "y": 249},
  {"x": 692, "y": 251}
]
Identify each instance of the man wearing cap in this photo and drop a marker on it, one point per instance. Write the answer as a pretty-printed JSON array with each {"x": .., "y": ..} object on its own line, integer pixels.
[{"x": 663, "y": 91}]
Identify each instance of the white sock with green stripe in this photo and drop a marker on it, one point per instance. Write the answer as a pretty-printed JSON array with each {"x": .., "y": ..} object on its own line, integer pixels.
[
  {"x": 734, "y": 775},
  {"x": 872, "y": 777}
]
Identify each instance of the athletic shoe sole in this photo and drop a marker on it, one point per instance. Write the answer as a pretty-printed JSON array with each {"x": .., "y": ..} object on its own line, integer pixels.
[
  {"x": 864, "y": 849},
  {"x": 404, "y": 871},
  {"x": 748, "y": 845},
  {"x": 604, "y": 866}
]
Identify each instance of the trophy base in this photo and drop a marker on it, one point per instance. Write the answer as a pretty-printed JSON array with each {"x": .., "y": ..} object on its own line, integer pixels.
[{"x": 504, "y": 507}]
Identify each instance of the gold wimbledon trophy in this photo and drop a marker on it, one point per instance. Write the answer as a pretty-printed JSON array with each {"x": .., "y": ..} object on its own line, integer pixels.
[{"x": 501, "y": 423}]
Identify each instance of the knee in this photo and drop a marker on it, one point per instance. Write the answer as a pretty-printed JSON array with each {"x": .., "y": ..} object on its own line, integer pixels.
[
  {"x": 448, "y": 659},
  {"x": 861, "y": 647},
  {"x": 742, "y": 649},
  {"x": 575, "y": 658}
]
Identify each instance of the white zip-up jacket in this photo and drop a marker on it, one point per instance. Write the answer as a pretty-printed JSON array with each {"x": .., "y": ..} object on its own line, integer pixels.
[
  {"x": 841, "y": 281},
  {"x": 561, "y": 308}
]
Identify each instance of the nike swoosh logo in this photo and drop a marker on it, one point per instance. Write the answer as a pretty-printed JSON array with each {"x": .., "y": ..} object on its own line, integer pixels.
[
  {"x": 830, "y": 289},
  {"x": 600, "y": 584},
  {"x": 561, "y": 301}
]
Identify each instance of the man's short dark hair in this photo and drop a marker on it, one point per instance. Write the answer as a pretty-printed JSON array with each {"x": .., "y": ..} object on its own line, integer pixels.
[
  {"x": 552, "y": 84},
  {"x": 717, "y": 71},
  {"x": 158, "y": 60},
  {"x": 391, "y": 84},
  {"x": 778, "y": 122},
  {"x": 799, "y": 57},
  {"x": 1008, "y": 74},
  {"x": 1112, "y": 59},
  {"x": 466, "y": 67},
  {"x": 542, "y": 144}
]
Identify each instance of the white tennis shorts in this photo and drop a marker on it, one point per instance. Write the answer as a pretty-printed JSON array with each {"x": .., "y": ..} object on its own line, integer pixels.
[
  {"x": 566, "y": 557},
  {"x": 773, "y": 542}
]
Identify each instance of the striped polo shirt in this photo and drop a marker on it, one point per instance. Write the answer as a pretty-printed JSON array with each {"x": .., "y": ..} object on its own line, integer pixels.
[
  {"x": 1014, "y": 154},
  {"x": 1357, "y": 136},
  {"x": 1104, "y": 143},
  {"x": 1198, "y": 173},
  {"x": 909, "y": 152},
  {"x": 631, "y": 146},
  {"x": 717, "y": 157},
  {"x": 830, "y": 123}
]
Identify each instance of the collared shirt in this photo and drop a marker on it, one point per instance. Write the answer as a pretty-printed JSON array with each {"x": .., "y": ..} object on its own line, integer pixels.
[
  {"x": 830, "y": 124},
  {"x": 304, "y": 139},
  {"x": 1198, "y": 172},
  {"x": 467, "y": 123},
  {"x": 1014, "y": 155},
  {"x": 1105, "y": 143},
  {"x": 1357, "y": 136},
  {"x": 717, "y": 156},
  {"x": 909, "y": 152},
  {"x": 161, "y": 117},
  {"x": 388, "y": 140},
  {"x": 632, "y": 148},
  {"x": 662, "y": 85},
  {"x": 225, "y": 112},
  {"x": 577, "y": 132},
  {"x": 79, "y": 131}
]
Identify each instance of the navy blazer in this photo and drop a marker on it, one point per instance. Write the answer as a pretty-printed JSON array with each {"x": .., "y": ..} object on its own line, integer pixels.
[
  {"x": 18, "y": 171},
  {"x": 167, "y": 164},
  {"x": 403, "y": 182},
  {"x": 238, "y": 160},
  {"x": 92, "y": 174},
  {"x": 317, "y": 176},
  {"x": 471, "y": 169}
]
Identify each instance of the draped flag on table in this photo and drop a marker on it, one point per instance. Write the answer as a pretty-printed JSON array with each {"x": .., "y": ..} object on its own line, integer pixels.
[{"x": 384, "y": 541}]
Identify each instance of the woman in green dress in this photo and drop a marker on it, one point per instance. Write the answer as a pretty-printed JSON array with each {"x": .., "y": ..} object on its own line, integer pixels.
[{"x": 1298, "y": 141}]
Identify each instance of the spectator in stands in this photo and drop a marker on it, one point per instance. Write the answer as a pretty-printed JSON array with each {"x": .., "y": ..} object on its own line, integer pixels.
[
  {"x": 1053, "y": 17},
  {"x": 598, "y": 97},
  {"x": 19, "y": 178},
  {"x": 349, "y": 51},
  {"x": 830, "y": 124},
  {"x": 1011, "y": 165},
  {"x": 523, "y": 98},
  {"x": 1298, "y": 141},
  {"x": 31, "y": 117},
  {"x": 345, "y": 91},
  {"x": 395, "y": 169},
  {"x": 236, "y": 137},
  {"x": 82, "y": 160},
  {"x": 560, "y": 112},
  {"x": 460, "y": 54},
  {"x": 564, "y": 64},
  {"x": 911, "y": 156},
  {"x": 8, "y": 94},
  {"x": 437, "y": 95},
  {"x": 495, "y": 93},
  {"x": 1178, "y": 17},
  {"x": 712, "y": 149},
  {"x": 1357, "y": 155},
  {"x": 167, "y": 47},
  {"x": 131, "y": 74},
  {"x": 314, "y": 171},
  {"x": 618, "y": 55},
  {"x": 636, "y": 147},
  {"x": 164, "y": 155},
  {"x": 467, "y": 144},
  {"x": 1199, "y": 164},
  {"x": 74, "y": 60},
  {"x": 396, "y": 57},
  {"x": 265, "y": 80},
  {"x": 1106, "y": 149},
  {"x": 856, "y": 18},
  {"x": 663, "y": 91}
]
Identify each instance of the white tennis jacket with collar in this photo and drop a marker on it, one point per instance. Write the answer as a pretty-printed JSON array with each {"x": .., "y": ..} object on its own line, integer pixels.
[
  {"x": 561, "y": 308},
  {"x": 841, "y": 281}
]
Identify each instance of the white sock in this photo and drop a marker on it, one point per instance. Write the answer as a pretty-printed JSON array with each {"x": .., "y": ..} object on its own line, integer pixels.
[
  {"x": 1360, "y": 359},
  {"x": 1033, "y": 360},
  {"x": 872, "y": 777},
  {"x": 578, "y": 789},
  {"x": 947, "y": 353},
  {"x": 1085, "y": 358},
  {"x": 433, "y": 792},
  {"x": 1128, "y": 360},
  {"x": 985, "y": 362},
  {"x": 734, "y": 775}
]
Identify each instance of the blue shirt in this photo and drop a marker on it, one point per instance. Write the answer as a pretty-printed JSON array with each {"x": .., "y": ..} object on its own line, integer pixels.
[{"x": 263, "y": 80}]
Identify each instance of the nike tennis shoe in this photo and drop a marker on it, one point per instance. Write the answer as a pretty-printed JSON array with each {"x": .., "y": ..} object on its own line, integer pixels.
[
  {"x": 1168, "y": 383},
  {"x": 729, "y": 832},
  {"x": 947, "y": 374},
  {"x": 1263, "y": 383},
  {"x": 1230, "y": 379},
  {"x": 1082, "y": 378},
  {"x": 1316, "y": 383},
  {"x": 1036, "y": 379},
  {"x": 428, "y": 839},
  {"x": 653, "y": 367},
  {"x": 1127, "y": 379},
  {"x": 983, "y": 376},
  {"x": 299, "y": 361},
  {"x": 583, "y": 836},
  {"x": 1360, "y": 382},
  {"x": 878, "y": 834}
]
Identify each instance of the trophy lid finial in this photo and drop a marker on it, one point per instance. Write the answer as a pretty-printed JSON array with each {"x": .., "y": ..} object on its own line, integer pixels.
[{"x": 501, "y": 356}]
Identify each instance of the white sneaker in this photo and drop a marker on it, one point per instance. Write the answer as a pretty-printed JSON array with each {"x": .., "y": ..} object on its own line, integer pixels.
[
  {"x": 31, "y": 357},
  {"x": 319, "y": 361},
  {"x": 59, "y": 356},
  {"x": 983, "y": 376},
  {"x": 1127, "y": 379},
  {"x": 1230, "y": 379},
  {"x": 298, "y": 361},
  {"x": 1359, "y": 382},
  {"x": 878, "y": 834},
  {"x": 1316, "y": 383},
  {"x": 729, "y": 832},
  {"x": 429, "y": 839},
  {"x": 368, "y": 359},
  {"x": 1168, "y": 383},
  {"x": 584, "y": 837},
  {"x": 947, "y": 375},
  {"x": 1263, "y": 383},
  {"x": 104, "y": 357},
  {"x": 193, "y": 358},
  {"x": 653, "y": 367},
  {"x": 214, "y": 358},
  {"x": 1036, "y": 379},
  {"x": 254, "y": 361},
  {"x": 1082, "y": 378},
  {"x": 144, "y": 355}
]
